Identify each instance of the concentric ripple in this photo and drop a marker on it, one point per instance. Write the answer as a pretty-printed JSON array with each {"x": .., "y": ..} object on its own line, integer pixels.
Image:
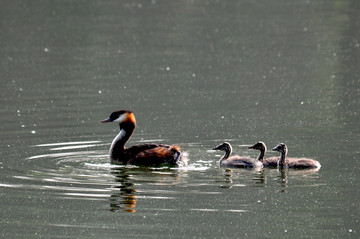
[{"x": 81, "y": 171}]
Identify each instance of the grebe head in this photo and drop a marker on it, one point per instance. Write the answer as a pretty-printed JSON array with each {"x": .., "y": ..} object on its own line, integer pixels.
[
  {"x": 281, "y": 147},
  {"x": 120, "y": 117},
  {"x": 223, "y": 147},
  {"x": 259, "y": 146}
]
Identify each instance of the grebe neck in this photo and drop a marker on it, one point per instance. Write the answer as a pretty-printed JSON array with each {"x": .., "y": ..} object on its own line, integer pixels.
[
  {"x": 261, "y": 155},
  {"x": 118, "y": 143},
  {"x": 281, "y": 161},
  {"x": 228, "y": 152}
]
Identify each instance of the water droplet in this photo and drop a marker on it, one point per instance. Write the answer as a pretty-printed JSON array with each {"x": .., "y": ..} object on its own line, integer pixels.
[
  {"x": 100, "y": 91},
  {"x": 167, "y": 68},
  {"x": 33, "y": 131},
  {"x": 46, "y": 49}
]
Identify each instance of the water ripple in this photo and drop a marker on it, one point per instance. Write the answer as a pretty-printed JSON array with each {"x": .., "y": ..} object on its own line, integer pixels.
[{"x": 70, "y": 173}]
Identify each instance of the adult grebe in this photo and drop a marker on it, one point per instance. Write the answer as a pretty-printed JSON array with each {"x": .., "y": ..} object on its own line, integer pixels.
[
  {"x": 294, "y": 162},
  {"x": 145, "y": 154},
  {"x": 235, "y": 161},
  {"x": 267, "y": 162}
]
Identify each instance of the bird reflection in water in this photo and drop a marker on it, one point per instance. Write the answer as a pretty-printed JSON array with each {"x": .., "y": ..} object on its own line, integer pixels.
[
  {"x": 124, "y": 195},
  {"x": 284, "y": 173},
  {"x": 124, "y": 199},
  {"x": 282, "y": 179},
  {"x": 227, "y": 179},
  {"x": 258, "y": 176}
]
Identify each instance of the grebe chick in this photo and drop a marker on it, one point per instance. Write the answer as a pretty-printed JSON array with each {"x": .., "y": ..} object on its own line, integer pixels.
[
  {"x": 235, "y": 161},
  {"x": 267, "y": 162},
  {"x": 294, "y": 162},
  {"x": 145, "y": 154}
]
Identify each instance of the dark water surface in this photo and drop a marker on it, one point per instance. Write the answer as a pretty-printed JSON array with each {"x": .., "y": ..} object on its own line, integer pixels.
[{"x": 195, "y": 73}]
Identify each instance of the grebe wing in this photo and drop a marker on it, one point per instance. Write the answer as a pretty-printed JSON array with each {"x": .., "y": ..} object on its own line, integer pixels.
[
  {"x": 158, "y": 155},
  {"x": 241, "y": 162},
  {"x": 136, "y": 149},
  {"x": 271, "y": 162},
  {"x": 302, "y": 163}
]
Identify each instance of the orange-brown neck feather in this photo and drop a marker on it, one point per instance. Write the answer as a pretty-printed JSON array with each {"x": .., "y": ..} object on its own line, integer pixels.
[{"x": 130, "y": 118}]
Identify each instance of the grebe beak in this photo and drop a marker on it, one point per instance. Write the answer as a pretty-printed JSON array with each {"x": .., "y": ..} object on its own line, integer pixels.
[
  {"x": 251, "y": 147},
  {"x": 106, "y": 120},
  {"x": 218, "y": 147},
  {"x": 275, "y": 148}
]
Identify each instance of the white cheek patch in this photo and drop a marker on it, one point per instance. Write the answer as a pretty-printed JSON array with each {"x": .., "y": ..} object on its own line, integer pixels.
[{"x": 121, "y": 118}]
